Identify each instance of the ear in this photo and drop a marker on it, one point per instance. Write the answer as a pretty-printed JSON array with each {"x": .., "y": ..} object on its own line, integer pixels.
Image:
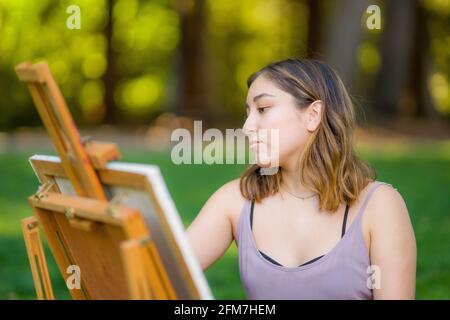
[{"x": 314, "y": 115}]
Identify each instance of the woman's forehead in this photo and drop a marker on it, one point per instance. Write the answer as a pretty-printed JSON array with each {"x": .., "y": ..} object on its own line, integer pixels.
[{"x": 263, "y": 87}]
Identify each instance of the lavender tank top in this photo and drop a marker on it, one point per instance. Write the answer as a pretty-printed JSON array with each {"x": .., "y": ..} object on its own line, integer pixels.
[{"x": 342, "y": 273}]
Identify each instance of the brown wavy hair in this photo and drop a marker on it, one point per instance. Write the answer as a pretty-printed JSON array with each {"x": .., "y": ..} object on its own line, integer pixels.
[{"x": 328, "y": 164}]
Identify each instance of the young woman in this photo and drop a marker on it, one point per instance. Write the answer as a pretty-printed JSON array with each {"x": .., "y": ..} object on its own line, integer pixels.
[{"x": 322, "y": 227}]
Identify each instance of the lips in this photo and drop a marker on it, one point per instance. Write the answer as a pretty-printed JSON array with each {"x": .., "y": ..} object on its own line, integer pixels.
[{"x": 253, "y": 144}]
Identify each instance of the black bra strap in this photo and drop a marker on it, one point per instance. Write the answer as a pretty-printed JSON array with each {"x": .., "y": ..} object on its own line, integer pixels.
[
  {"x": 270, "y": 259},
  {"x": 344, "y": 223},
  {"x": 251, "y": 214}
]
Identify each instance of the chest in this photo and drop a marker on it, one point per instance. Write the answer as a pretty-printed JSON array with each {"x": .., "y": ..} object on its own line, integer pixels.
[{"x": 292, "y": 235}]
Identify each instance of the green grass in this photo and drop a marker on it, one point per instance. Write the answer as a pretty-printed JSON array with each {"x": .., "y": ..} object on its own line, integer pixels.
[{"x": 421, "y": 172}]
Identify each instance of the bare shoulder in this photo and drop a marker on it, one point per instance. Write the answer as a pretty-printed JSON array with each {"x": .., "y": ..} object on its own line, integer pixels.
[
  {"x": 215, "y": 225},
  {"x": 386, "y": 206},
  {"x": 392, "y": 244},
  {"x": 229, "y": 197}
]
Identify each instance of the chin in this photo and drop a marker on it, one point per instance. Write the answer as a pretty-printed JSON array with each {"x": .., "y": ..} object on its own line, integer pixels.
[{"x": 265, "y": 161}]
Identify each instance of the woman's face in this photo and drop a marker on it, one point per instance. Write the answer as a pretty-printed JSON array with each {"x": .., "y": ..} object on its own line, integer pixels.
[{"x": 271, "y": 110}]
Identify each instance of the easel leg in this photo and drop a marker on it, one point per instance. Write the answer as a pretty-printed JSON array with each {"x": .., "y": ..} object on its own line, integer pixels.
[
  {"x": 147, "y": 279},
  {"x": 36, "y": 256}
]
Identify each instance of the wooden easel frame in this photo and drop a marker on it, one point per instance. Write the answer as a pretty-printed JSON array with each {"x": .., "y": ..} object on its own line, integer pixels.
[
  {"x": 133, "y": 249},
  {"x": 59, "y": 124},
  {"x": 49, "y": 171},
  {"x": 36, "y": 257},
  {"x": 83, "y": 163}
]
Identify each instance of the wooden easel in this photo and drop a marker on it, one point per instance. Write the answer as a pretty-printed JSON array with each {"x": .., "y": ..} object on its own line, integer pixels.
[{"x": 121, "y": 260}]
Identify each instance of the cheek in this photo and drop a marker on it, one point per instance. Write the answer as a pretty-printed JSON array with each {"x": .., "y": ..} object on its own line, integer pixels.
[{"x": 293, "y": 136}]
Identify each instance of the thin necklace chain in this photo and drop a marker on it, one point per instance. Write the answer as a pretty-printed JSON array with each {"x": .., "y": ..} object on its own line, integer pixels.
[{"x": 303, "y": 198}]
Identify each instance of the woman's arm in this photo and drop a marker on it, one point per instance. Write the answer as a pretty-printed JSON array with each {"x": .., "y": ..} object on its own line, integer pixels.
[
  {"x": 211, "y": 232},
  {"x": 392, "y": 246}
]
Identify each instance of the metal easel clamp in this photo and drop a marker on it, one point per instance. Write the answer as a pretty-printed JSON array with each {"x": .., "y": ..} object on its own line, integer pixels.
[
  {"x": 145, "y": 240},
  {"x": 69, "y": 213},
  {"x": 113, "y": 211},
  {"x": 117, "y": 199},
  {"x": 43, "y": 189},
  {"x": 32, "y": 225},
  {"x": 77, "y": 222},
  {"x": 85, "y": 140}
]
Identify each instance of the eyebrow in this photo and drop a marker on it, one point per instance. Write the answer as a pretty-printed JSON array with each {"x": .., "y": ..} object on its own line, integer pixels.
[{"x": 259, "y": 96}]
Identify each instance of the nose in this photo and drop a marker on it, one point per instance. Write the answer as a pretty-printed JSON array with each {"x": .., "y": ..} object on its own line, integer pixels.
[{"x": 249, "y": 126}]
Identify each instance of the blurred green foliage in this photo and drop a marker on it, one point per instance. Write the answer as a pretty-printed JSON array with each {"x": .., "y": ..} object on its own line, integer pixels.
[
  {"x": 241, "y": 37},
  {"x": 145, "y": 35}
]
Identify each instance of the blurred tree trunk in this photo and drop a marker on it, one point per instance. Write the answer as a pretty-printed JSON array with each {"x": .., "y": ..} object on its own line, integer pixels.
[
  {"x": 391, "y": 94},
  {"x": 109, "y": 78},
  {"x": 344, "y": 37},
  {"x": 315, "y": 23},
  {"x": 421, "y": 102},
  {"x": 192, "y": 92}
]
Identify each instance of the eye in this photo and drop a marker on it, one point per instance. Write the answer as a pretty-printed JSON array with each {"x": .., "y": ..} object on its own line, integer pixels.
[{"x": 262, "y": 110}]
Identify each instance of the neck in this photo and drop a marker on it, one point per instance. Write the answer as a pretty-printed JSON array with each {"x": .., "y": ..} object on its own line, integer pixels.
[{"x": 291, "y": 182}]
